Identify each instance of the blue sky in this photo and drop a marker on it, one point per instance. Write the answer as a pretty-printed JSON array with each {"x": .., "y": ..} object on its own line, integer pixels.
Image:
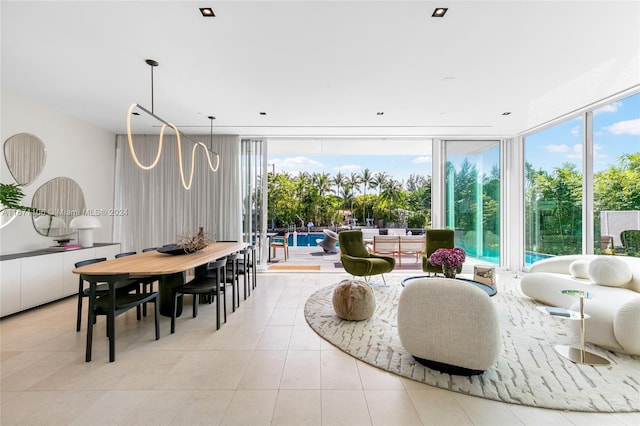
[
  {"x": 398, "y": 166},
  {"x": 616, "y": 132}
]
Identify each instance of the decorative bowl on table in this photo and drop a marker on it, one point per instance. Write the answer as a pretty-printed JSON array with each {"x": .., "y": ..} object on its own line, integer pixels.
[
  {"x": 173, "y": 249},
  {"x": 186, "y": 244}
]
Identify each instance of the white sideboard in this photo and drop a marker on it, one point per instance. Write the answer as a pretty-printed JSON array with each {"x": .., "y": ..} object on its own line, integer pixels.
[{"x": 38, "y": 277}]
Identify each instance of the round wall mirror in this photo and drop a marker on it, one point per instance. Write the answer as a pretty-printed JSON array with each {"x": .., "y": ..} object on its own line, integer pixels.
[
  {"x": 25, "y": 155},
  {"x": 63, "y": 199}
]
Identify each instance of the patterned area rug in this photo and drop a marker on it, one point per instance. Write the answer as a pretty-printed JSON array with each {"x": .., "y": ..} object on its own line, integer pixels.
[{"x": 528, "y": 372}]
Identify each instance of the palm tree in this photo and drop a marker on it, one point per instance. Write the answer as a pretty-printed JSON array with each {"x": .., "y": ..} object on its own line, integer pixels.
[
  {"x": 391, "y": 193},
  {"x": 354, "y": 181},
  {"x": 366, "y": 178},
  {"x": 339, "y": 180},
  {"x": 379, "y": 180},
  {"x": 348, "y": 194},
  {"x": 322, "y": 186}
]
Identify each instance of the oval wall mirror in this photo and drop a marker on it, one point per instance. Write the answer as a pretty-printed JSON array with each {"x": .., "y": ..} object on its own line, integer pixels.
[
  {"x": 63, "y": 199},
  {"x": 25, "y": 155}
]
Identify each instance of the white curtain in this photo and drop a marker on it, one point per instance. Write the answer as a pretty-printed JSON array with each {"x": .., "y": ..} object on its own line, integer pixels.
[{"x": 154, "y": 208}]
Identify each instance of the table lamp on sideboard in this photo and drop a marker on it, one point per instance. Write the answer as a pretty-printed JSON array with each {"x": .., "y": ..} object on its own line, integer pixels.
[{"x": 85, "y": 226}]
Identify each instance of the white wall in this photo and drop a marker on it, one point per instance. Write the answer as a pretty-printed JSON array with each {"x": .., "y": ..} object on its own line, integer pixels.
[{"x": 75, "y": 150}]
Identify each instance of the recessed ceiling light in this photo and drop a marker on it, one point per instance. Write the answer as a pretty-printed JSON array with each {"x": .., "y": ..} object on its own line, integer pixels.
[
  {"x": 380, "y": 113},
  {"x": 207, "y": 12},
  {"x": 506, "y": 113},
  {"x": 263, "y": 113},
  {"x": 439, "y": 12}
]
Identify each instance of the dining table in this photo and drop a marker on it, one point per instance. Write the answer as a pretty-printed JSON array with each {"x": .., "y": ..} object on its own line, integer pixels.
[{"x": 170, "y": 269}]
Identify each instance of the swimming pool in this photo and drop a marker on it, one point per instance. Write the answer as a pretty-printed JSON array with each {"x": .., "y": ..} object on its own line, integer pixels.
[{"x": 306, "y": 239}]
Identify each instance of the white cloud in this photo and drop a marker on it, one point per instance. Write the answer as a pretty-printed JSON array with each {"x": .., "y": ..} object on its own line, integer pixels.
[
  {"x": 423, "y": 159},
  {"x": 612, "y": 107},
  {"x": 296, "y": 163},
  {"x": 556, "y": 148},
  {"x": 575, "y": 131},
  {"x": 596, "y": 151},
  {"x": 348, "y": 168},
  {"x": 576, "y": 152},
  {"x": 627, "y": 127}
]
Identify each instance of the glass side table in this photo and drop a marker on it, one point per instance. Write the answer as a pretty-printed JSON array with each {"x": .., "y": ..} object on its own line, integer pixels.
[{"x": 579, "y": 355}]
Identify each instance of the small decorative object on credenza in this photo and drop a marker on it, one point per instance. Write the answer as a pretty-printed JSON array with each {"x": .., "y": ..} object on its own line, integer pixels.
[
  {"x": 85, "y": 226},
  {"x": 187, "y": 244},
  {"x": 449, "y": 259}
]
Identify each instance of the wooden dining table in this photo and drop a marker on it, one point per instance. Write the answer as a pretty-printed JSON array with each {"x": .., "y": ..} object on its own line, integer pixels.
[{"x": 171, "y": 270}]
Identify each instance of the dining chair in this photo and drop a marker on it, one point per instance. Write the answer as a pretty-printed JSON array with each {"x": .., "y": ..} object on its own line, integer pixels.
[
  {"x": 211, "y": 284},
  {"x": 101, "y": 289},
  {"x": 84, "y": 292},
  {"x": 231, "y": 276},
  {"x": 145, "y": 282},
  {"x": 246, "y": 268},
  {"x": 126, "y": 253},
  {"x": 112, "y": 304}
]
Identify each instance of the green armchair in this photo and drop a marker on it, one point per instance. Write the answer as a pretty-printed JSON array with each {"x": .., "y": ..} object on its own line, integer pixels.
[
  {"x": 436, "y": 238},
  {"x": 357, "y": 261}
]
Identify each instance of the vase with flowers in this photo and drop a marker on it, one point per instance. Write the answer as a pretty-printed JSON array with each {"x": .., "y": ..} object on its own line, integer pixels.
[{"x": 449, "y": 259}]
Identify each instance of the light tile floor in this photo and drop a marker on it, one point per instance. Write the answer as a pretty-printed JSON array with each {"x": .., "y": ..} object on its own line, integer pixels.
[{"x": 265, "y": 366}]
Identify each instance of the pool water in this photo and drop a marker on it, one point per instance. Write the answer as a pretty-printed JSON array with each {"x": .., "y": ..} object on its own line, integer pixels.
[{"x": 307, "y": 239}]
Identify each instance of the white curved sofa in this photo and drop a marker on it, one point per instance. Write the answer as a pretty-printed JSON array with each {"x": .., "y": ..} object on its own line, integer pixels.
[
  {"x": 449, "y": 325},
  {"x": 614, "y": 310}
]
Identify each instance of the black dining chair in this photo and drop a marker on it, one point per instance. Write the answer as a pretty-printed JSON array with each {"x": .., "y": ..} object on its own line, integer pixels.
[
  {"x": 232, "y": 277},
  {"x": 100, "y": 289},
  {"x": 112, "y": 304},
  {"x": 145, "y": 282},
  {"x": 211, "y": 284},
  {"x": 84, "y": 292},
  {"x": 246, "y": 268},
  {"x": 126, "y": 253}
]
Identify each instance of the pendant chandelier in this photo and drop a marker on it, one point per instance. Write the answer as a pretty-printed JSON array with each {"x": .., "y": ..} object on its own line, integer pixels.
[{"x": 179, "y": 136}]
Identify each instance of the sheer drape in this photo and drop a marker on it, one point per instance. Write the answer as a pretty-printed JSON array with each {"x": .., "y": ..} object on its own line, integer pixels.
[{"x": 154, "y": 208}]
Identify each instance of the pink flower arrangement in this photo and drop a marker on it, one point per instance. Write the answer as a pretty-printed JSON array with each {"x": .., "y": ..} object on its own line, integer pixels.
[{"x": 454, "y": 257}]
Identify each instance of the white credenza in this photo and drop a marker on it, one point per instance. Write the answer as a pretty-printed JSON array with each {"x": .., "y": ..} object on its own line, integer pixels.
[{"x": 34, "y": 278}]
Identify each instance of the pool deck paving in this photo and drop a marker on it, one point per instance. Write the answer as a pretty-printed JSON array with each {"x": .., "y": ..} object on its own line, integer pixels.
[{"x": 313, "y": 258}]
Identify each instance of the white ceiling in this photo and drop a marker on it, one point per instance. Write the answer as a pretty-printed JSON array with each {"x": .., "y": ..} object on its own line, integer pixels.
[{"x": 320, "y": 68}]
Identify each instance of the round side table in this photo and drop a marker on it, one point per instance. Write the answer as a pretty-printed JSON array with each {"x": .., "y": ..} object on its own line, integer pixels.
[{"x": 579, "y": 355}]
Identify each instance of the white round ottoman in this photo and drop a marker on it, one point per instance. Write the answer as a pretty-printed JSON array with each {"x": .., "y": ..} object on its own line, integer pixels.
[{"x": 449, "y": 325}]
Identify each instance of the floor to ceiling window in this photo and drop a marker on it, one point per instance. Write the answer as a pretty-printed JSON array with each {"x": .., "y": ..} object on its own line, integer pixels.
[
  {"x": 556, "y": 198},
  {"x": 347, "y": 182},
  {"x": 252, "y": 203},
  {"x": 616, "y": 180},
  {"x": 553, "y": 191},
  {"x": 472, "y": 177}
]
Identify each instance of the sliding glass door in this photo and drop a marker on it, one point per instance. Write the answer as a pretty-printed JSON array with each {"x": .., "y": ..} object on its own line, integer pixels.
[
  {"x": 252, "y": 174},
  {"x": 472, "y": 197}
]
